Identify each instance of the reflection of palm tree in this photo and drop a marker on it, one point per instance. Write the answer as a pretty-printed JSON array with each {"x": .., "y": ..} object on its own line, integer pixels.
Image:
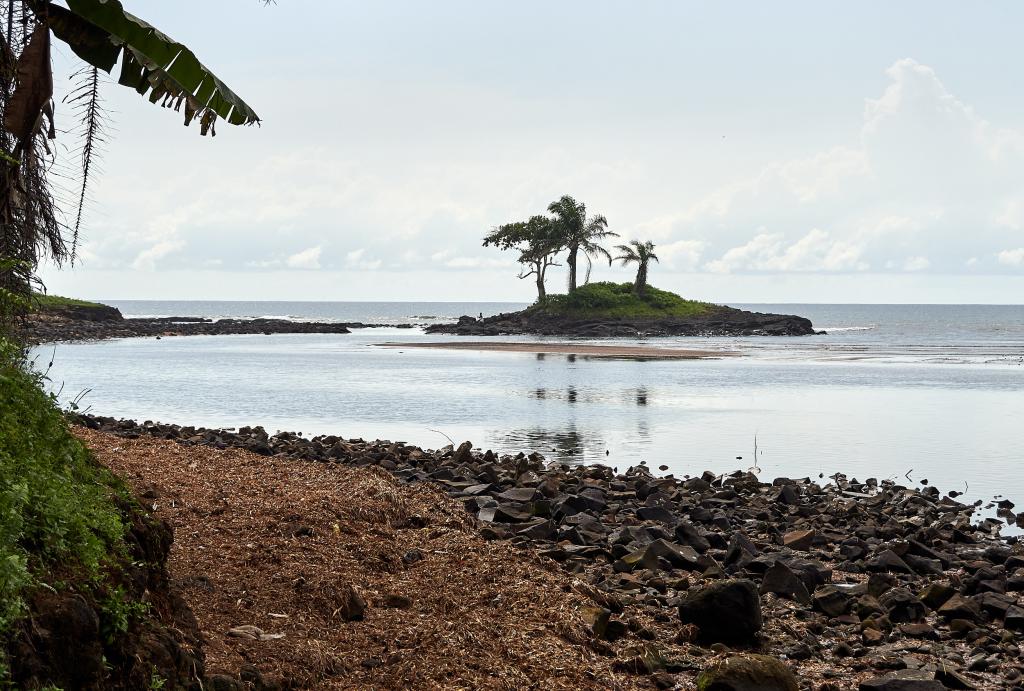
[
  {"x": 641, "y": 396},
  {"x": 571, "y": 394},
  {"x": 580, "y": 233},
  {"x": 641, "y": 254}
]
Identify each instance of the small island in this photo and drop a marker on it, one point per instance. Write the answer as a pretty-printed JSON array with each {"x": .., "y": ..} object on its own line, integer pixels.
[{"x": 598, "y": 310}]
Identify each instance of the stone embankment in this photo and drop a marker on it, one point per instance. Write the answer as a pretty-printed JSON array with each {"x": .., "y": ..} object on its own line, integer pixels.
[
  {"x": 849, "y": 584},
  {"x": 721, "y": 321}
]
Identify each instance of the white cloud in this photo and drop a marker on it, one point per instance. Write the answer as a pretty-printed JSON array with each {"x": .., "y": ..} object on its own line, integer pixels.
[
  {"x": 816, "y": 251},
  {"x": 1011, "y": 257},
  {"x": 306, "y": 259},
  {"x": 147, "y": 259},
  {"x": 356, "y": 260},
  {"x": 681, "y": 255},
  {"x": 478, "y": 263},
  {"x": 916, "y": 264}
]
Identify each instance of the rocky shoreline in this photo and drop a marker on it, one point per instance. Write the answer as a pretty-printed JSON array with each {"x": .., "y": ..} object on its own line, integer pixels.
[
  {"x": 721, "y": 321},
  {"x": 867, "y": 585},
  {"x": 102, "y": 323}
]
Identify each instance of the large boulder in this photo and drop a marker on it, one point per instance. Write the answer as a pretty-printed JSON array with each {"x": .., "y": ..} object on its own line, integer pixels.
[
  {"x": 747, "y": 673},
  {"x": 724, "y": 612}
]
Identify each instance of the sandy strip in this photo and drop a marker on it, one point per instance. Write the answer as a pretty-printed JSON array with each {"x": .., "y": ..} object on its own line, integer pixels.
[{"x": 582, "y": 349}]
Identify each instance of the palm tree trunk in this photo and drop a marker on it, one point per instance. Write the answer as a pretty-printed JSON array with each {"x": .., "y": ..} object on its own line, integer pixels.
[
  {"x": 641, "y": 280},
  {"x": 571, "y": 261},
  {"x": 541, "y": 293}
]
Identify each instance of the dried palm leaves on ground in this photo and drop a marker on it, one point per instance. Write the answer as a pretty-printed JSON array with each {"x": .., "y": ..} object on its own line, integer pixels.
[{"x": 280, "y": 545}]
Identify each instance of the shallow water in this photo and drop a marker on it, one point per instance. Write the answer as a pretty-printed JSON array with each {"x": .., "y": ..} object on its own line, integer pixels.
[{"x": 935, "y": 391}]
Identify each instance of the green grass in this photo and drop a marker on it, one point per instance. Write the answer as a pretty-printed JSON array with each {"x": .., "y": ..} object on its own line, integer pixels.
[
  {"x": 617, "y": 301},
  {"x": 50, "y": 302},
  {"x": 60, "y": 525}
]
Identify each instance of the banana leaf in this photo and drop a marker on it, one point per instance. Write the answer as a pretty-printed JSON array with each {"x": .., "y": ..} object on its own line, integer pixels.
[{"x": 100, "y": 31}]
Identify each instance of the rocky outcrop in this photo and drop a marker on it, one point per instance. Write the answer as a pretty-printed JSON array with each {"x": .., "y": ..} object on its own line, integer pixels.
[
  {"x": 720, "y": 321},
  {"x": 48, "y": 329}
]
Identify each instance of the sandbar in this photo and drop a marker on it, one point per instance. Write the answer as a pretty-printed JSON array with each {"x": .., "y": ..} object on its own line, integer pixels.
[{"x": 580, "y": 349}]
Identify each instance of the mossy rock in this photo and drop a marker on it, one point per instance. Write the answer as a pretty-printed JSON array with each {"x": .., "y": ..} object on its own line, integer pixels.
[{"x": 747, "y": 673}]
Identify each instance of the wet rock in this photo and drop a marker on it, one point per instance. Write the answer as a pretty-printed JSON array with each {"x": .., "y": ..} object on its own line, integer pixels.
[
  {"x": 725, "y": 611},
  {"x": 748, "y": 673}
]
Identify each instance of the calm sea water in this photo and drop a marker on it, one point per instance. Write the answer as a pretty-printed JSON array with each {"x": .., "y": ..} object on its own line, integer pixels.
[{"x": 933, "y": 391}]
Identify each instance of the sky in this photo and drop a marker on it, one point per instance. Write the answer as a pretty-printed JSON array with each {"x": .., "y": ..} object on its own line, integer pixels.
[{"x": 811, "y": 151}]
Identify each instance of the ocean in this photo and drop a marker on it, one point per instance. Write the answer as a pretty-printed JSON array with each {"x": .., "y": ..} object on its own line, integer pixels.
[{"x": 906, "y": 392}]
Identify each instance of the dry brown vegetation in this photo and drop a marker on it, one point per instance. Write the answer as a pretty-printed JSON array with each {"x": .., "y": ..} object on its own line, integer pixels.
[{"x": 277, "y": 544}]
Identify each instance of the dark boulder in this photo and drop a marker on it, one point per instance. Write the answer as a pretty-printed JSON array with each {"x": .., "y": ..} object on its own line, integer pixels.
[{"x": 724, "y": 612}]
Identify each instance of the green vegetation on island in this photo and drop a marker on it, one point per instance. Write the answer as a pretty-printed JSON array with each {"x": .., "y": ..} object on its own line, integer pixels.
[
  {"x": 568, "y": 228},
  {"x": 606, "y": 300}
]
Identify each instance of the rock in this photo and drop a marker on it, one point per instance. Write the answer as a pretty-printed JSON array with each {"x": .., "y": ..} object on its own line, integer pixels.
[
  {"x": 397, "y": 601},
  {"x": 903, "y": 680},
  {"x": 958, "y": 607},
  {"x": 887, "y": 560},
  {"x": 799, "y": 539},
  {"x": 903, "y": 606},
  {"x": 656, "y": 513},
  {"x": 350, "y": 604},
  {"x": 781, "y": 580},
  {"x": 831, "y": 601},
  {"x": 935, "y": 594},
  {"x": 725, "y": 611},
  {"x": 748, "y": 673},
  {"x": 1014, "y": 618}
]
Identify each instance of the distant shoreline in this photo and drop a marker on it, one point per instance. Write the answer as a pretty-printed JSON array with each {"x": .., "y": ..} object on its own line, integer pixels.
[{"x": 581, "y": 349}]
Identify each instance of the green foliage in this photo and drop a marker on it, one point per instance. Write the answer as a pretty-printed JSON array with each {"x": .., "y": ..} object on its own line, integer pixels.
[
  {"x": 618, "y": 301},
  {"x": 48, "y": 302},
  {"x": 102, "y": 32},
  {"x": 58, "y": 513}
]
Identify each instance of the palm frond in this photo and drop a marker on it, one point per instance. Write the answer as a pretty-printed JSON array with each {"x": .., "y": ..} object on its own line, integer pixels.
[{"x": 84, "y": 99}]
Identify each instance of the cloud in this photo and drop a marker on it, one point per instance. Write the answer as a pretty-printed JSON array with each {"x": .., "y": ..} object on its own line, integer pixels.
[
  {"x": 147, "y": 259},
  {"x": 816, "y": 251},
  {"x": 917, "y": 193},
  {"x": 681, "y": 255},
  {"x": 356, "y": 260},
  {"x": 1011, "y": 257},
  {"x": 306, "y": 259},
  {"x": 916, "y": 264}
]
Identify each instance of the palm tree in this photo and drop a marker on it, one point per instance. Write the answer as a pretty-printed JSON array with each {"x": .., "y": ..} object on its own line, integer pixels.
[
  {"x": 580, "y": 233},
  {"x": 103, "y": 35},
  {"x": 641, "y": 254}
]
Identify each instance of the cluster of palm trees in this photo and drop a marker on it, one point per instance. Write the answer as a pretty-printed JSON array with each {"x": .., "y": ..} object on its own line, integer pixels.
[{"x": 568, "y": 228}]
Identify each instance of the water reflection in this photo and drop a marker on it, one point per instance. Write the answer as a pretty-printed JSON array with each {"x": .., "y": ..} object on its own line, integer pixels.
[
  {"x": 566, "y": 445},
  {"x": 641, "y": 396}
]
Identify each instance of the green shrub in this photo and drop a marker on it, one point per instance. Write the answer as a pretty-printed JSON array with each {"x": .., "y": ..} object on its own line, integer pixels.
[
  {"x": 617, "y": 300},
  {"x": 58, "y": 513}
]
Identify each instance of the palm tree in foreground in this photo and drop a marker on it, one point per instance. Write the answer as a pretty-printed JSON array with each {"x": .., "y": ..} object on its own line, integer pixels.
[
  {"x": 580, "y": 233},
  {"x": 641, "y": 254}
]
